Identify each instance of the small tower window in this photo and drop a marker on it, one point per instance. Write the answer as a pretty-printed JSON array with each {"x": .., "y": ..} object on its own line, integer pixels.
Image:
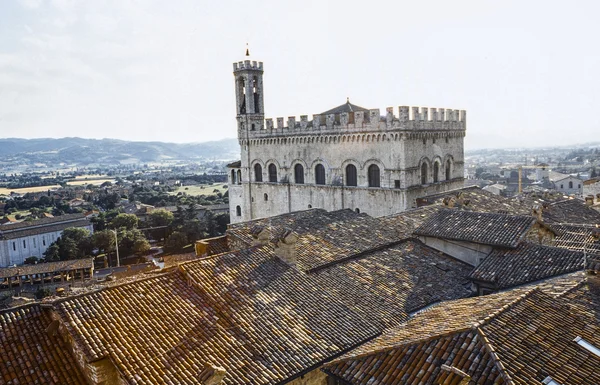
[
  {"x": 570, "y": 184},
  {"x": 374, "y": 176},
  {"x": 233, "y": 181},
  {"x": 258, "y": 172},
  {"x": 272, "y": 173},
  {"x": 436, "y": 172},
  {"x": 448, "y": 165},
  {"x": 239, "y": 176},
  {"x": 424, "y": 173},
  {"x": 253, "y": 127},
  {"x": 238, "y": 211},
  {"x": 319, "y": 174},
  {"x": 357, "y": 210},
  {"x": 351, "y": 175},
  {"x": 266, "y": 196},
  {"x": 14, "y": 246},
  {"x": 299, "y": 174}
]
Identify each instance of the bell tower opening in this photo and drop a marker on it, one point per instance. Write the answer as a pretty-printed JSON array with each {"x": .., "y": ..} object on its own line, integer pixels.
[{"x": 249, "y": 93}]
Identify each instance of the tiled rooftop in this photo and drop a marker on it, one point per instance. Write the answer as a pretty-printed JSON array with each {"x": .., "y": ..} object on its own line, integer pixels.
[
  {"x": 249, "y": 312},
  {"x": 386, "y": 285},
  {"x": 570, "y": 211},
  {"x": 49, "y": 267},
  {"x": 324, "y": 237},
  {"x": 518, "y": 337},
  {"x": 479, "y": 200},
  {"x": 48, "y": 228},
  {"x": 29, "y": 354},
  {"x": 578, "y": 237},
  {"x": 527, "y": 263},
  {"x": 483, "y": 228}
]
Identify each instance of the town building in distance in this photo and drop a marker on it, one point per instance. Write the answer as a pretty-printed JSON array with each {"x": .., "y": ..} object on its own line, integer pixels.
[{"x": 346, "y": 157}]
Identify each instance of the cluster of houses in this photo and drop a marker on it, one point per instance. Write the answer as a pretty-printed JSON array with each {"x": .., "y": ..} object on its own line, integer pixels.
[{"x": 469, "y": 288}]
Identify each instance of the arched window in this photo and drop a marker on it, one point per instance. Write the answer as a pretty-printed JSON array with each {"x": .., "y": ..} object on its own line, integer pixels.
[
  {"x": 436, "y": 172},
  {"x": 238, "y": 211},
  {"x": 266, "y": 197},
  {"x": 448, "y": 165},
  {"x": 319, "y": 174},
  {"x": 357, "y": 210},
  {"x": 299, "y": 174},
  {"x": 272, "y": 173},
  {"x": 374, "y": 176},
  {"x": 351, "y": 175},
  {"x": 570, "y": 184},
  {"x": 258, "y": 172},
  {"x": 233, "y": 181},
  {"x": 239, "y": 176},
  {"x": 424, "y": 173}
]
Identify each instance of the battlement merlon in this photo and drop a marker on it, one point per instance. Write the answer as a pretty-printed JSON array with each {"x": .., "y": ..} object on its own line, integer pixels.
[
  {"x": 248, "y": 65},
  {"x": 408, "y": 118}
]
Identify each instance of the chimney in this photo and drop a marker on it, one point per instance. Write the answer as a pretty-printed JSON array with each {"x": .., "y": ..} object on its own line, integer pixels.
[
  {"x": 449, "y": 202},
  {"x": 592, "y": 264},
  {"x": 536, "y": 212},
  {"x": 285, "y": 248},
  {"x": 589, "y": 200},
  {"x": 261, "y": 235},
  {"x": 213, "y": 375}
]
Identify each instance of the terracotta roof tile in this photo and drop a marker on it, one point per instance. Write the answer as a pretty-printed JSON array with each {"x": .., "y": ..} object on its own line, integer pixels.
[
  {"x": 483, "y": 228},
  {"x": 386, "y": 285},
  {"x": 527, "y": 263},
  {"x": 31, "y": 355},
  {"x": 249, "y": 312},
  {"x": 48, "y": 267}
]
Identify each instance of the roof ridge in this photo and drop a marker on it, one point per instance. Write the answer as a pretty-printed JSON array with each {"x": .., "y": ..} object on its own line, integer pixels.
[
  {"x": 387, "y": 348},
  {"x": 106, "y": 288},
  {"x": 504, "y": 308},
  {"x": 494, "y": 356},
  {"x": 22, "y": 306}
]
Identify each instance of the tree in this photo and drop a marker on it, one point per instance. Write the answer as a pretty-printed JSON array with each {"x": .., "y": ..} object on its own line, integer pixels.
[
  {"x": 161, "y": 217},
  {"x": 141, "y": 246},
  {"x": 127, "y": 221},
  {"x": 176, "y": 242},
  {"x": 104, "y": 240}
]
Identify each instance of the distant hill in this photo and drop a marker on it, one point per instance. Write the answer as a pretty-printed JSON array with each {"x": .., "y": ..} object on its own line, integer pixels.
[{"x": 111, "y": 151}]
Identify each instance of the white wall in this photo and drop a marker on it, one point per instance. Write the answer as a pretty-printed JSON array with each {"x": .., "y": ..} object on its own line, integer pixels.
[
  {"x": 471, "y": 253},
  {"x": 15, "y": 251}
]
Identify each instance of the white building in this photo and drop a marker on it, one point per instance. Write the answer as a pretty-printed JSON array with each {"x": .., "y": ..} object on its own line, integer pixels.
[
  {"x": 346, "y": 157},
  {"x": 566, "y": 184},
  {"x": 19, "y": 241}
]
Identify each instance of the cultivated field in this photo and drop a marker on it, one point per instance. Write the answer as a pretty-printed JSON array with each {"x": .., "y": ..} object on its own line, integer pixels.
[
  {"x": 6, "y": 191},
  {"x": 203, "y": 189},
  {"x": 85, "y": 182}
]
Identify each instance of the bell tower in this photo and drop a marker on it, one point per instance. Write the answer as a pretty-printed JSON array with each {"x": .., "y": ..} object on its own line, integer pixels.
[{"x": 249, "y": 98}]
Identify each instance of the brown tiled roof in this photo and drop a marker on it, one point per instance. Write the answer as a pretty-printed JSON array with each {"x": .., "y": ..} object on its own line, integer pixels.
[
  {"x": 570, "y": 211},
  {"x": 406, "y": 222},
  {"x": 249, "y": 312},
  {"x": 476, "y": 199},
  {"x": 527, "y": 263},
  {"x": 483, "y": 228},
  {"x": 52, "y": 227},
  {"x": 324, "y": 237},
  {"x": 518, "y": 337},
  {"x": 236, "y": 164},
  {"x": 386, "y": 285},
  {"x": 578, "y": 237},
  {"x": 29, "y": 354},
  {"x": 48, "y": 267},
  {"x": 43, "y": 221}
]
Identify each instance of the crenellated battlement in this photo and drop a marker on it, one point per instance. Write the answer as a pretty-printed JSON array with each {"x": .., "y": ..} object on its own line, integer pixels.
[
  {"x": 248, "y": 65},
  {"x": 408, "y": 118}
]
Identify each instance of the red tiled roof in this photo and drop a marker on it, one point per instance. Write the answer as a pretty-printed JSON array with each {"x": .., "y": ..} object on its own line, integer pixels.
[{"x": 29, "y": 354}]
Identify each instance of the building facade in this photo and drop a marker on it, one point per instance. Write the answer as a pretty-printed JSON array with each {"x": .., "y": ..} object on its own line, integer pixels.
[
  {"x": 346, "y": 157},
  {"x": 20, "y": 241}
]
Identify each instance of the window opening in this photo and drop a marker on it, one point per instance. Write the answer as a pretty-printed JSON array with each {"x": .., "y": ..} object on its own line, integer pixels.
[
  {"x": 238, "y": 211},
  {"x": 320, "y": 174},
  {"x": 233, "y": 177},
  {"x": 299, "y": 174},
  {"x": 24, "y": 245},
  {"x": 570, "y": 184},
  {"x": 374, "y": 176},
  {"x": 448, "y": 169},
  {"x": 436, "y": 172},
  {"x": 258, "y": 173},
  {"x": 424, "y": 173},
  {"x": 266, "y": 197},
  {"x": 351, "y": 175},
  {"x": 357, "y": 210},
  {"x": 239, "y": 176},
  {"x": 14, "y": 246},
  {"x": 397, "y": 183},
  {"x": 272, "y": 173},
  {"x": 586, "y": 345}
]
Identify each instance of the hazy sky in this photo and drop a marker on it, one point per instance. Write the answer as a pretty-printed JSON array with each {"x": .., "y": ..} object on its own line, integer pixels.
[{"x": 527, "y": 72}]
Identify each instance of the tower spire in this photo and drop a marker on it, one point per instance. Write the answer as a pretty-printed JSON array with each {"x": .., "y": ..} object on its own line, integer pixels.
[{"x": 247, "y": 50}]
